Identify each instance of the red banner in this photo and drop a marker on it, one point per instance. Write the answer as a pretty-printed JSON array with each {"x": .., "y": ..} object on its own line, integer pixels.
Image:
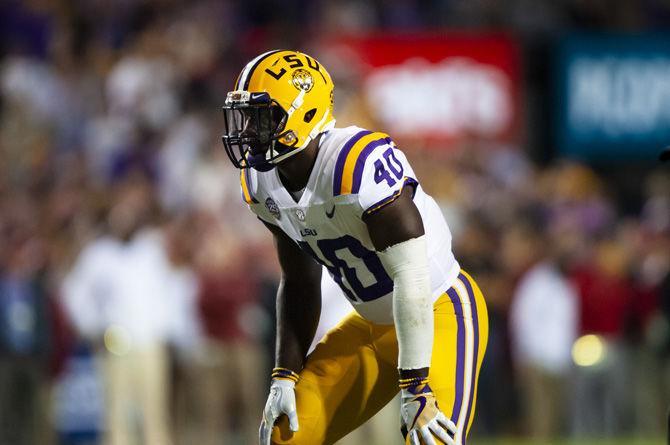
[{"x": 439, "y": 87}]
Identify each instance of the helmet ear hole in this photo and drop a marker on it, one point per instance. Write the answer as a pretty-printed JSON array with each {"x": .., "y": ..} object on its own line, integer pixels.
[{"x": 310, "y": 115}]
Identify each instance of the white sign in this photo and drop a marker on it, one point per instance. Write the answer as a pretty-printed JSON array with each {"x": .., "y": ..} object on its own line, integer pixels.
[{"x": 445, "y": 99}]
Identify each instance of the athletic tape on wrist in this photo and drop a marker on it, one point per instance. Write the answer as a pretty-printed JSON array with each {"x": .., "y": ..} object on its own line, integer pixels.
[{"x": 285, "y": 374}]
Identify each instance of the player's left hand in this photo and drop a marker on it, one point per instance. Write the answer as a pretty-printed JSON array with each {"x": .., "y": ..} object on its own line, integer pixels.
[
  {"x": 421, "y": 419},
  {"x": 281, "y": 401}
]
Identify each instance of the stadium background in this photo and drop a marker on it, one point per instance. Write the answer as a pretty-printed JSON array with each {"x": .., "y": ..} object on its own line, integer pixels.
[{"x": 535, "y": 124}]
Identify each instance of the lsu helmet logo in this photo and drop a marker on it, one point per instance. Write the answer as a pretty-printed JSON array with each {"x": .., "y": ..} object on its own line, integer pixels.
[
  {"x": 282, "y": 100},
  {"x": 302, "y": 80}
]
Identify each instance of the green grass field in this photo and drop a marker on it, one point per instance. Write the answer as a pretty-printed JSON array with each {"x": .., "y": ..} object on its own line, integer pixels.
[{"x": 512, "y": 441}]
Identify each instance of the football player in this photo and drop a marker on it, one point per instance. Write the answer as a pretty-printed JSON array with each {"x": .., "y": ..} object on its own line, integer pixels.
[{"x": 347, "y": 199}]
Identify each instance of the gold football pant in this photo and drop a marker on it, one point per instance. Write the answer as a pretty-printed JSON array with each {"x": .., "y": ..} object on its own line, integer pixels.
[{"x": 353, "y": 372}]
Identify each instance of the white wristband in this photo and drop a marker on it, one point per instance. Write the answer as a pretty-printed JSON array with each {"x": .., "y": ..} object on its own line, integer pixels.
[{"x": 407, "y": 264}]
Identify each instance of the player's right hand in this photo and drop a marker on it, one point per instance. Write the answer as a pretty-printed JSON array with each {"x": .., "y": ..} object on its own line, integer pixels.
[{"x": 280, "y": 401}]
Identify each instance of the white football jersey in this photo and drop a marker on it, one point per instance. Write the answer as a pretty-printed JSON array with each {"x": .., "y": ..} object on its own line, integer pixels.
[{"x": 356, "y": 173}]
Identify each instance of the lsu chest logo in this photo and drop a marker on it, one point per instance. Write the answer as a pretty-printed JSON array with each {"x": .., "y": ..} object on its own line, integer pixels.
[
  {"x": 272, "y": 207},
  {"x": 307, "y": 232}
]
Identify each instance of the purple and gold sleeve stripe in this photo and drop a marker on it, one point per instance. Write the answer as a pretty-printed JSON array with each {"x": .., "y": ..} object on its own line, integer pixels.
[
  {"x": 351, "y": 161},
  {"x": 245, "y": 182},
  {"x": 389, "y": 199}
]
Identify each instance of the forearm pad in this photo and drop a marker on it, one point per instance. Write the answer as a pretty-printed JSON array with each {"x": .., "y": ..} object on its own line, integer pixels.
[{"x": 407, "y": 263}]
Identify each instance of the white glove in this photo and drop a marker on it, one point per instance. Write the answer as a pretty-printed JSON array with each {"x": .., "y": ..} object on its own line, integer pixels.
[
  {"x": 420, "y": 417},
  {"x": 280, "y": 401}
]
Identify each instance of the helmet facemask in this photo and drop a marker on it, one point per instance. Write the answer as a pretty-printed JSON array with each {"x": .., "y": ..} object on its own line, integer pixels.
[{"x": 253, "y": 124}]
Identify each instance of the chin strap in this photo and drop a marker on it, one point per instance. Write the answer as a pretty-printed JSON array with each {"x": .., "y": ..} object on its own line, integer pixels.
[
  {"x": 318, "y": 129},
  {"x": 297, "y": 102}
]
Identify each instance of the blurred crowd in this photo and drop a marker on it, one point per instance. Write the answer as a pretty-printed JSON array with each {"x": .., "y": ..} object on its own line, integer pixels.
[{"x": 137, "y": 292}]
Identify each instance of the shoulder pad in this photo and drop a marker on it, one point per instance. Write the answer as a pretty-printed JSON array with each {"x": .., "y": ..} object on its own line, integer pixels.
[{"x": 351, "y": 160}]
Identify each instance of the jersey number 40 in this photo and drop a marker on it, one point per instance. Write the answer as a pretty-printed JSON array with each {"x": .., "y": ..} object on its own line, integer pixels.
[{"x": 341, "y": 271}]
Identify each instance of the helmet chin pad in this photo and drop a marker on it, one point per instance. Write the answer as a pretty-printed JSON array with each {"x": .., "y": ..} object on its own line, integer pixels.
[
  {"x": 258, "y": 159},
  {"x": 258, "y": 162}
]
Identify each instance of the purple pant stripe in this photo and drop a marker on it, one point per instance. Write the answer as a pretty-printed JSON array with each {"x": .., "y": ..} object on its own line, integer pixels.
[
  {"x": 460, "y": 355},
  {"x": 342, "y": 158},
  {"x": 475, "y": 357}
]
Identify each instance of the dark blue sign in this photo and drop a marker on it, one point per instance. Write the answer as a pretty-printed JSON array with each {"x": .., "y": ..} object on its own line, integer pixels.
[{"x": 614, "y": 96}]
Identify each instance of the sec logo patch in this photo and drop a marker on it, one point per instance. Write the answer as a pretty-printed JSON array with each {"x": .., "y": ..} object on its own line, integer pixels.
[{"x": 272, "y": 208}]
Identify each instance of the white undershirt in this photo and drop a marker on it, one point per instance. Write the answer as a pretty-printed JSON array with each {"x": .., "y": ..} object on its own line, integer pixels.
[{"x": 296, "y": 195}]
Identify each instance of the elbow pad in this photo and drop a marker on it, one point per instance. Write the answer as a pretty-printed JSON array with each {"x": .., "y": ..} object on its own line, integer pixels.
[{"x": 407, "y": 264}]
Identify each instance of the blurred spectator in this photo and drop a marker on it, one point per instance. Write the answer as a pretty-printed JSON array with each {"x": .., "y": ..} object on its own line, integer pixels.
[
  {"x": 650, "y": 246},
  {"x": 228, "y": 396},
  {"x": 78, "y": 399},
  {"x": 185, "y": 329},
  {"x": 118, "y": 295},
  {"x": 578, "y": 202},
  {"x": 186, "y": 333},
  {"x": 24, "y": 342},
  {"x": 601, "y": 391},
  {"x": 663, "y": 333},
  {"x": 543, "y": 323},
  {"x": 477, "y": 249}
]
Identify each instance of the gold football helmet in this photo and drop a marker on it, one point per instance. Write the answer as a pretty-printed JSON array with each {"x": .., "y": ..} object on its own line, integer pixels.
[{"x": 282, "y": 101}]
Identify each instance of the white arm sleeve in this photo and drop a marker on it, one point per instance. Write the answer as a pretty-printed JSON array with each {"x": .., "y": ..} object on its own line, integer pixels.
[{"x": 407, "y": 263}]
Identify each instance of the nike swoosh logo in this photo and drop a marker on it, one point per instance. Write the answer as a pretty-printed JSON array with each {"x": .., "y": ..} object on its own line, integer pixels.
[
  {"x": 422, "y": 405},
  {"x": 256, "y": 96},
  {"x": 331, "y": 213}
]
